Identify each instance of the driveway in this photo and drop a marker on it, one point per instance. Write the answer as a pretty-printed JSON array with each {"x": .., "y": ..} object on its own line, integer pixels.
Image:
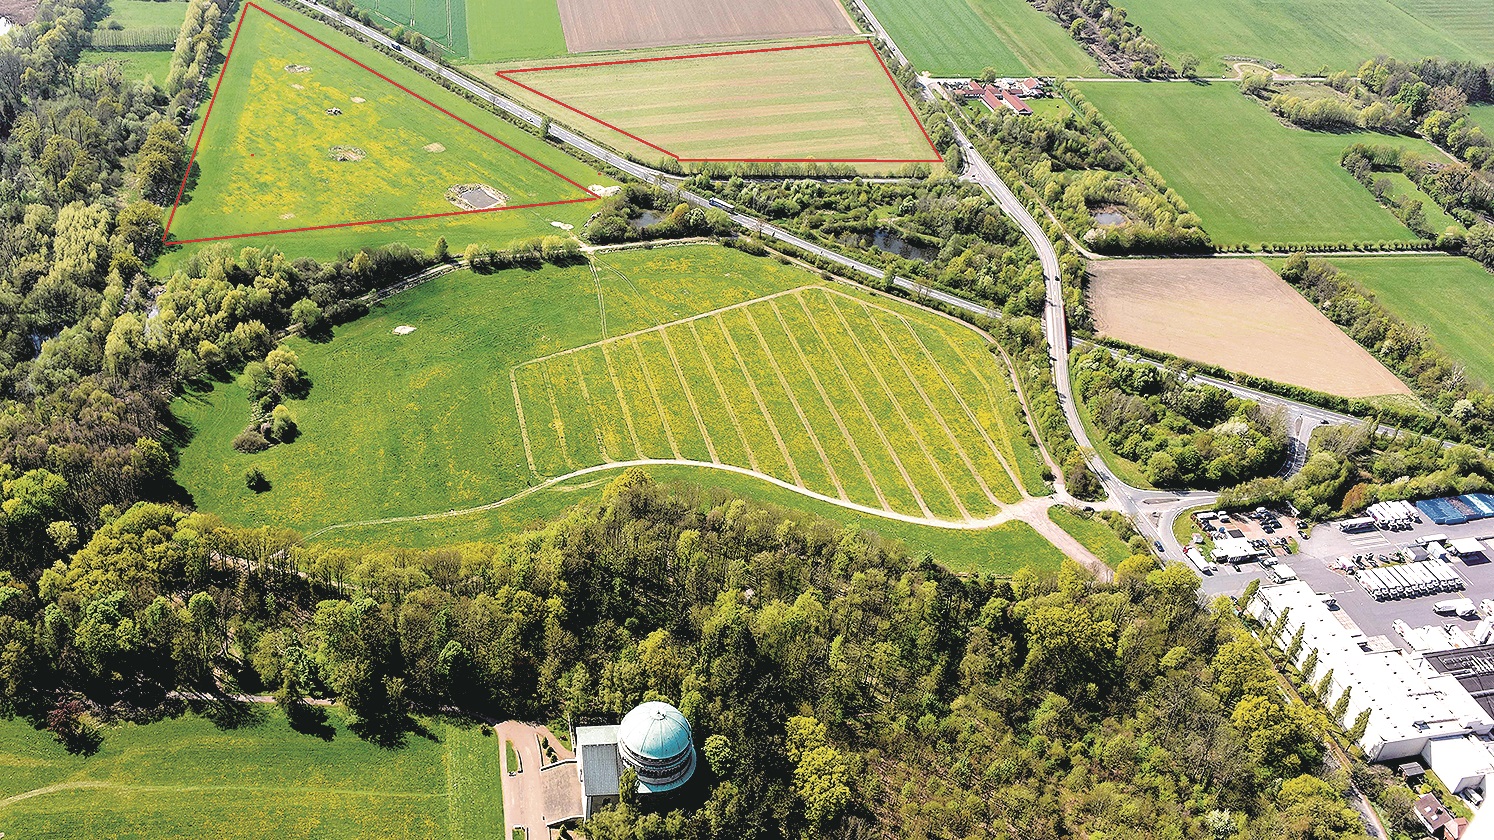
[{"x": 534, "y": 797}]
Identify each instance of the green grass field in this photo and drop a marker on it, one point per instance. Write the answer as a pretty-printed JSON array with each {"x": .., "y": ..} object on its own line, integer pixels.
[
  {"x": 1451, "y": 296},
  {"x": 1093, "y": 533},
  {"x": 154, "y": 64},
  {"x": 1403, "y": 187},
  {"x": 963, "y": 37},
  {"x": 1341, "y": 34},
  {"x": 186, "y": 777},
  {"x": 270, "y": 157},
  {"x": 1483, "y": 117},
  {"x": 478, "y": 30},
  {"x": 827, "y": 103},
  {"x": 135, "y": 14},
  {"x": 850, "y": 396},
  {"x": 442, "y": 21},
  {"x": 1250, "y": 178}
]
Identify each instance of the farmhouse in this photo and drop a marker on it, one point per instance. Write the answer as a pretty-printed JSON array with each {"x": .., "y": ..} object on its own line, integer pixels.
[
  {"x": 1004, "y": 93},
  {"x": 653, "y": 740}
]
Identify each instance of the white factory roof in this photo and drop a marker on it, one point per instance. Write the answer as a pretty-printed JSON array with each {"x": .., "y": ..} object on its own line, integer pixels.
[
  {"x": 1410, "y": 704},
  {"x": 1467, "y": 545}
]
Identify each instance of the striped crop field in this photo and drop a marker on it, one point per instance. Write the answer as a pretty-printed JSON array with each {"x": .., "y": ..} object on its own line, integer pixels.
[{"x": 871, "y": 404}]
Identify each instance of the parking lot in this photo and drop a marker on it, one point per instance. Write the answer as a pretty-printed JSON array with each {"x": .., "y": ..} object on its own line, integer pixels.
[{"x": 1314, "y": 566}]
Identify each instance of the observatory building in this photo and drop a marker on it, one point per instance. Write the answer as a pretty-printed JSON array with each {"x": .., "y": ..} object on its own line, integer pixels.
[{"x": 654, "y": 740}]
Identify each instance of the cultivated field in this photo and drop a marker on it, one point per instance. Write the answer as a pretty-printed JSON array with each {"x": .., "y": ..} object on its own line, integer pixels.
[
  {"x": 187, "y": 777},
  {"x": 1450, "y": 296},
  {"x": 300, "y": 136},
  {"x": 1340, "y": 34},
  {"x": 757, "y": 366},
  {"x": 963, "y": 37},
  {"x": 1250, "y": 178},
  {"x": 629, "y": 24},
  {"x": 442, "y": 21},
  {"x": 805, "y": 102},
  {"x": 1234, "y": 313}
]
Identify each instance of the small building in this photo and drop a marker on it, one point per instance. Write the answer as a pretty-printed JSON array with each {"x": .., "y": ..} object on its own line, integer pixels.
[
  {"x": 653, "y": 740},
  {"x": 1016, "y": 103},
  {"x": 1235, "y": 550},
  {"x": 1438, "y": 821}
]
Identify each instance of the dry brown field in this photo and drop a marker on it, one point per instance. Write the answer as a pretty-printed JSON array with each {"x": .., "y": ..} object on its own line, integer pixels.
[
  {"x": 1236, "y": 314},
  {"x": 592, "y": 25}
]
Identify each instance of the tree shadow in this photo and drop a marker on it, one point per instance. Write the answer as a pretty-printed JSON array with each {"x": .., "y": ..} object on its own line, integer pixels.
[
  {"x": 227, "y": 713},
  {"x": 308, "y": 719}
]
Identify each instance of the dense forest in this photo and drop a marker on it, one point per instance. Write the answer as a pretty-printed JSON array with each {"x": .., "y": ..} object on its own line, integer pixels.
[{"x": 840, "y": 686}]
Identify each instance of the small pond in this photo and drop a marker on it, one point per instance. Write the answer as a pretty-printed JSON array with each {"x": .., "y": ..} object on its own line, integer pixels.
[
  {"x": 645, "y": 219},
  {"x": 1109, "y": 218},
  {"x": 889, "y": 241}
]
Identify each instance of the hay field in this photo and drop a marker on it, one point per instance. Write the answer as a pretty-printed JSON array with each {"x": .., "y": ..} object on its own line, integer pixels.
[
  {"x": 1452, "y": 297},
  {"x": 1237, "y": 314},
  {"x": 591, "y": 25},
  {"x": 963, "y": 37},
  {"x": 1305, "y": 36},
  {"x": 289, "y": 107},
  {"x": 823, "y": 102},
  {"x": 1250, "y": 178},
  {"x": 436, "y": 414},
  {"x": 187, "y": 777}
]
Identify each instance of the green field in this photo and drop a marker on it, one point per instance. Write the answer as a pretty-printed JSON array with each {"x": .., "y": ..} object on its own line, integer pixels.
[
  {"x": 963, "y": 37},
  {"x": 1403, "y": 187},
  {"x": 859, "y": 399},
  {"x": 1304, "y": 36},
  {"x": 137, "y": 14},
  {"x": 1450, "y": 296},
  {"x": 269, "y": 159},
  {"x": 756, "y": 105},
  {"x": 154, "y": 64},
  {"x": 1250, "y": 178},
  {"x": 1093, "y": 533},
  {"x": 186, "y": 777},
  {"x": 478, "y": 30},
  {"x": 1483, "y": 117}
]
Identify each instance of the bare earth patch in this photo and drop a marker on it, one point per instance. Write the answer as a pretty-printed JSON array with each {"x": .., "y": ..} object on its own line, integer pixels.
[
  {"x": 360, "y": 100},
  {"x": 403, "y": 329},
  {"x": 287, "y": 215},
  {"x": 475, "y": 197},
  {"x": 1236, "y": 314},
  {"x": 18, "y": 12},
  {"x": 598, "y": 189},
  {"x": 297, "y": 68},
  {"x": 298, "y": 86},
  {"x": 347, "y": 154},
  {"x": 434, "y": 147},
  {"x": 629, "y": 24}
]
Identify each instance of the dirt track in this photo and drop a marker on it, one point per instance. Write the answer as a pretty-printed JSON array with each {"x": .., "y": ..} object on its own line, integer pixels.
[
  {"x": 1236, "y": 314},
  {"x": 592, "y": 25}
]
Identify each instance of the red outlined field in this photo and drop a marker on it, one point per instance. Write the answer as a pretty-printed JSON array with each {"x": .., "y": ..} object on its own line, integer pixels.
[
  {"x": 309, "y": 130},
  {"x": 802, "y": 103}
]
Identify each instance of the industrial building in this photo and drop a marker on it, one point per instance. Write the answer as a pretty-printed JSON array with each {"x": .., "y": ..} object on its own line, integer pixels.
[{"x": 1436, "y": 711}]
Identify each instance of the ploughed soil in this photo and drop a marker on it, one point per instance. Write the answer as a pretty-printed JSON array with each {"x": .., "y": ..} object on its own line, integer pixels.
[
  {"x": 18, "y": 11},
  {"x": 629, "y": 24},
  {"x": 1234, "y": 313}
]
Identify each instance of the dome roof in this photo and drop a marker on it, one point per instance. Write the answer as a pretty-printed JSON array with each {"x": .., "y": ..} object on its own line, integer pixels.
[{"x": 655, "y": 732}]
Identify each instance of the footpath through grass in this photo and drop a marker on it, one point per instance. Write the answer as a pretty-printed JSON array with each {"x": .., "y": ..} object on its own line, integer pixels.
[
  {"x": 1450, "y": 296},
  {"x": 1305, "y": 36},
  {"x": 187, "y": 777},
  {"x": 963, "y": 37},
  {"x": 1250, "y": 178},
  {"x": 1093, "y": 533},
  {"x": 300, "y": 136}
]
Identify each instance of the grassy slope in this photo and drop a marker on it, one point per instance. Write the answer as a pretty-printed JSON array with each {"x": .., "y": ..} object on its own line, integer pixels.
[
  {"x": 1483, "y": 117},
  {"x": 827, "y": 103},
  {"x": 1092, "y": 533},
  {"x": 1404, "y": 187},
  {"x": 963, "y": 37},
  {"x": 134, "y": 64},
  {"x": 258, "y": 113},
  {"x": 1250, "y": 178},
  {"x": 188, "y": 778},
  {"x": 500, "y": 30},
  {"x": 1304, "y": 36},
  {"x": 1001, "y": 550},
  {"x": 1452, "y": 297}
]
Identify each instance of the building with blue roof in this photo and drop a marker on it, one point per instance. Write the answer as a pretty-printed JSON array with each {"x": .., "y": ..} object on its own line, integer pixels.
[{"x": 653, "y": 740}]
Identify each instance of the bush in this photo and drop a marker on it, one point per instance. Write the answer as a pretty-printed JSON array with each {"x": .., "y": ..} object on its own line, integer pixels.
[
  {"x": 254, "y": 479},
  {"x": 250, "y": 441}
]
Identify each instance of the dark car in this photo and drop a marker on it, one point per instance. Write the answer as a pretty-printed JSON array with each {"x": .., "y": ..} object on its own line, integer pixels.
[{"x": 1158, "y": 544}]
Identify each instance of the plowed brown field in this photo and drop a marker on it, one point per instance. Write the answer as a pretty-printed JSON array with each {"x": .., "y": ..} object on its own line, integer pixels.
[
  {"x": 1236, "y": 314},
  {"x": 592, "y": 25}
]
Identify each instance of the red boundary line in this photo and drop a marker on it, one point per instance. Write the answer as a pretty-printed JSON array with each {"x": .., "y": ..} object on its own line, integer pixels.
[
  {"x": 507, "y": 76},
  {"x": 202, "y": 130}
]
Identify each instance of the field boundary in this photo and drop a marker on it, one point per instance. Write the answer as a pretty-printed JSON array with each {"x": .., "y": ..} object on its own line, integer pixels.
[
  {"x": 507, "y": 76},
  {"x": 207, "y": 115}
]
